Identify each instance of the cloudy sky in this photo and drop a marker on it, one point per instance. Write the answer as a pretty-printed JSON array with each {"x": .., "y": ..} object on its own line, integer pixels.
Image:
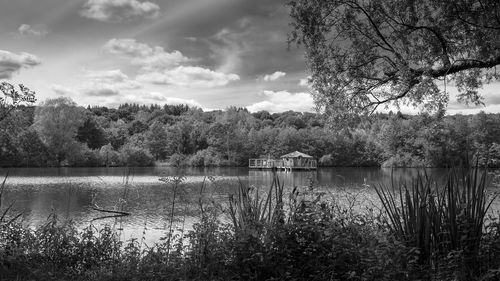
[{"x": 208, "y": 53}]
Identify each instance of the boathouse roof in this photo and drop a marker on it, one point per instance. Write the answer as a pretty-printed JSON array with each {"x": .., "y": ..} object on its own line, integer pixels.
[{"x": 296, "y": 154}]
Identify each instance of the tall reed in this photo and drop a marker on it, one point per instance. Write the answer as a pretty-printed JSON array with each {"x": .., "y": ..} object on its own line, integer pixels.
[
  {"x": 175, "y": 182},
  {"x": 443, "y": 224},
  {"x": 4, "y": 214},
  {"x": 249, "y": 208}
]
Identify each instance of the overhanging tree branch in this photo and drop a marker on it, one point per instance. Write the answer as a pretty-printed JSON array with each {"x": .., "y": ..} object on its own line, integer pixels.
[{"x": 385, "y": 51}]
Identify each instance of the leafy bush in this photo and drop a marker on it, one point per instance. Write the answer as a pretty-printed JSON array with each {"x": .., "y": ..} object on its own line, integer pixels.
[
  {"x": 326, "y": 161},
  {"x": 402, "y": 160},
  {"x": 204, "y": 158},
  {"x": 136, "y": 156},
  {"x": 109, "y": 156},
  {"x": 280, "y": 234},
  {"x": 177, "y": 159}
]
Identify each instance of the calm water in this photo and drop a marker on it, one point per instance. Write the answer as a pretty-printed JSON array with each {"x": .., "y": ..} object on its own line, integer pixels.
[{"x": 71, "y": 193}]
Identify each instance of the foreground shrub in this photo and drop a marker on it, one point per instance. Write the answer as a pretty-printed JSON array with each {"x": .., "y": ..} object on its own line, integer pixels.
[
  {"x": 279, "y": 234},
  {"x": 134, "y": 156},
  {"x": 444, "y": 225}
]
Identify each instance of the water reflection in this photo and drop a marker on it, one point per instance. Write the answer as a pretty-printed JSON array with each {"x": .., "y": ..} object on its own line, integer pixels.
[{"x": 71, "y": 193}]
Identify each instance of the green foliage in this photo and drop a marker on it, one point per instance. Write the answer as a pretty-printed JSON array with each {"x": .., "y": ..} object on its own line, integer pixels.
[
  {"x": 57, "y": 122},
  {"x": 33, "y": 151},
  {"x": 91, "y": 134},
  {"x": 366, "y": 54},
  {"x": 326, "y": 161},
  {"x": 441, "y": 225},
  {"x": 109, "y": 157},
  {"x": 134, "y": 156},
  {"x": 157, "y": 141},
  {"x": 231, "y": 137},
  {"x": 280, "y": 234},
  {"x": 13, "y": 99},
  {"x": 249, "y": 210},
  {"x": 204, "y": 158},
  {"x": 177, "y": 160}
]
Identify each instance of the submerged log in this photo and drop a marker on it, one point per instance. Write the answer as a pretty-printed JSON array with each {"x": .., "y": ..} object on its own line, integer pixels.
[{"x": 111, "y": 211}]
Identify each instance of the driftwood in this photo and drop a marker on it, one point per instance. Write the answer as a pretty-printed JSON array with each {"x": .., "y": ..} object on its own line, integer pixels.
[
  {"x": 107, "y": 217},
  {"x": 118, "y": 213}
]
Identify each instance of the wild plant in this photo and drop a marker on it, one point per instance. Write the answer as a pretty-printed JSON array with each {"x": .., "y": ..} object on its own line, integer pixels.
[
  {"x": 4, "y": 220},
  {"x": 175, "y": 183},
  {"x": 444, "y": 225},
  {"x": 249, "y": 208}
]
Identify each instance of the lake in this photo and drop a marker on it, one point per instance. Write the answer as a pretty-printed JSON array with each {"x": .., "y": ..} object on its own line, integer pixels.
[{"x": 74, "y": 193}]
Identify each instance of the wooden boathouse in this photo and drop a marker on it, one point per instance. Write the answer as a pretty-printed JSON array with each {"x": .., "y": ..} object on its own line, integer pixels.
[{"x": 288, "y": 162}]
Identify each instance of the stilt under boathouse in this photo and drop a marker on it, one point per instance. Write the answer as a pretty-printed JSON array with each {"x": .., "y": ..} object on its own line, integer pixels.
[{"x": 288, "y": 162}]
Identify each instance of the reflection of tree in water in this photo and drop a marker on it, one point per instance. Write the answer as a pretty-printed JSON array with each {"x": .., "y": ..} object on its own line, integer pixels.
[{"x": 264, "y": 178}]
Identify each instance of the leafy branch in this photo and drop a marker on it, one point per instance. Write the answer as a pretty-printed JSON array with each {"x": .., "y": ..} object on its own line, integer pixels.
[{"x": 14, "y": 98}]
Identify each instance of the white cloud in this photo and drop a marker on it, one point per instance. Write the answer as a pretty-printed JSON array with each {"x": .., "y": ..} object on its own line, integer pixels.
[
  {"x": 189, "y": 76},
  {"x": 11, "y": 63},
  {"x": 149, "y": 58},
  {"x": 100, "y": 83},
  {"x": 159, "y": 97},
  {"x": 283, "y": 101},
  {"x": 119, "y": 10},
  {"x": 107, "y": 83},
  {"x": 27, "y": 30},
  {"x": 304, "y": 82},
  {"x": 111, "y": 79},
  {"x": 275, "y": 76},
  {"x": 192, "y": 39},
  {"x": 63, "y": 91},
  {"x": 160, "y": 67}
]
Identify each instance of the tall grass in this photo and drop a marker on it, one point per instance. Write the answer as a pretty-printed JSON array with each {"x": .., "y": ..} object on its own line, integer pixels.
[
  {"x": 250, "y": 208},
  {"x": 270, "y": 239},
  {"x": 175, "y": 183},
  {"x": 443, "y": 224},
  {"x": 4, "y": 219}
]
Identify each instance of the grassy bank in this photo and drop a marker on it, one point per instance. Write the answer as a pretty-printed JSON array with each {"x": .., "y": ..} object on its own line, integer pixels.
[{"x": 423, "y": 232}]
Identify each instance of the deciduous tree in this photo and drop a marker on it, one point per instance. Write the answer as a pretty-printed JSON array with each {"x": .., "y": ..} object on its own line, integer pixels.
[
  {"x": 366, "y": 53},
  {"x": 12, "y": 98},
  {"x": 57, "y": 122}
]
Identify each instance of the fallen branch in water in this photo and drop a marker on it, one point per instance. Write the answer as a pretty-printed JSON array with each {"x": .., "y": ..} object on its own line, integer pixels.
[
  {"x": 112, "y": 212},
  {"x": 108, "y": 217}
]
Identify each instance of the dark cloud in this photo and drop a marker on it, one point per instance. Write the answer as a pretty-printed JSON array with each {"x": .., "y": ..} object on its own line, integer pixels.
[
  {"x": 11, "y": 63},
  {"x": 260, "y": 44},
  {"x": 240, "y": 36},
  {"x": 101, "y": 92}
]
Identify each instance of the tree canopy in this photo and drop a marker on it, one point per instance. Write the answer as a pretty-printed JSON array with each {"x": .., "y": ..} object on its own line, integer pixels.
[
  {"x": 366, "y": 53},
  {"x": 57, "y": 122},
  {"x": 12, "y": 98}
]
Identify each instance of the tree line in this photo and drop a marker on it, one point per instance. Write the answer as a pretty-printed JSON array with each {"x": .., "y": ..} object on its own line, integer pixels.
[{"x": 58, "y": 132}]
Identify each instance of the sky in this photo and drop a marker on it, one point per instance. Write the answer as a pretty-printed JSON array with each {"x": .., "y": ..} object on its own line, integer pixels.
[{"x": 206, "y": 53}]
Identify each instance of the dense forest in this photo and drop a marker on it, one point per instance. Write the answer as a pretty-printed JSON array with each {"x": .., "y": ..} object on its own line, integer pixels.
[{"x": 58, "y": 132}]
